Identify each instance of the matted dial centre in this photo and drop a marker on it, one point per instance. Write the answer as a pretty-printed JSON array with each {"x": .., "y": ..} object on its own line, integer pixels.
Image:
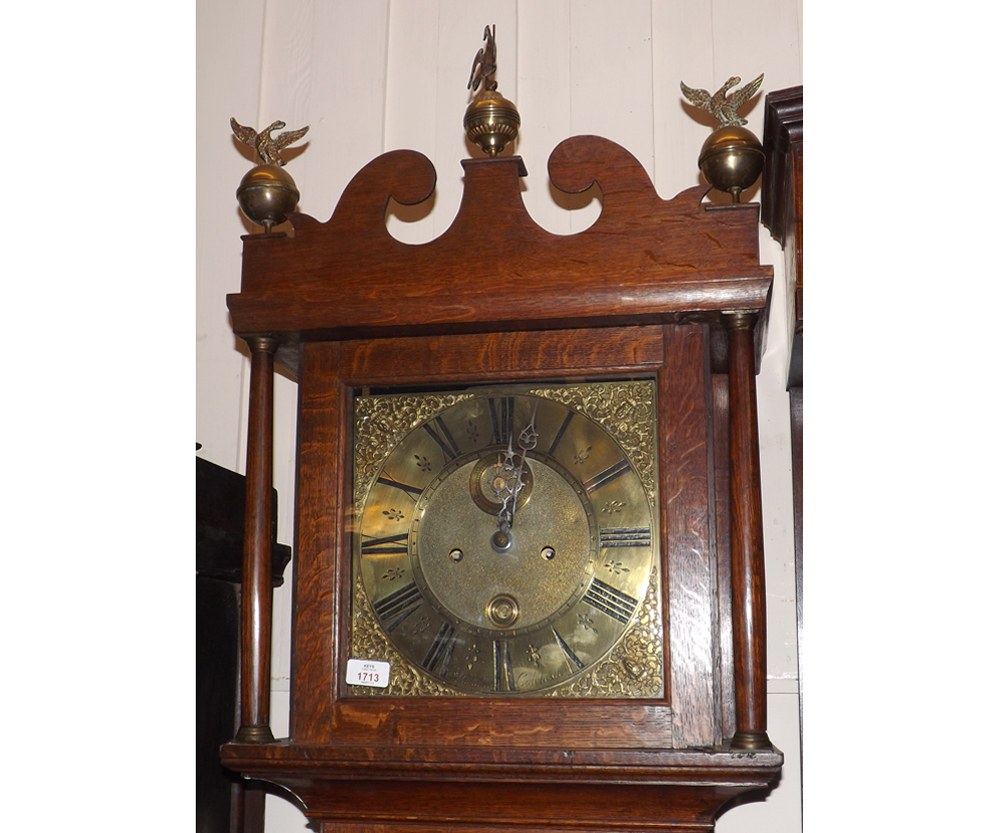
[{"x": 504, "y": 566}]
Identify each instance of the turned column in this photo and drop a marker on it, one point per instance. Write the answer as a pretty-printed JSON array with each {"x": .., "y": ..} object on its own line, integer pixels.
[
  {"x": 255, "y": 651},
  {"x": 749, "y": 609}
]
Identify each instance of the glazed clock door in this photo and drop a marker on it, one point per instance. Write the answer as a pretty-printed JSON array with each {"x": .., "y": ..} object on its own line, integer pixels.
[{"x": 506, "y": 541}]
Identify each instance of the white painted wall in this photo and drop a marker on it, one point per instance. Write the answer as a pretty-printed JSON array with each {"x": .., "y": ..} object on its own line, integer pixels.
[{"x": 374, "y": 76}]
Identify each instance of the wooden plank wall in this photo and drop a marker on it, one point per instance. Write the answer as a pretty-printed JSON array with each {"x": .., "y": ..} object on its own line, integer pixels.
[{"x": 374, "y": 76}]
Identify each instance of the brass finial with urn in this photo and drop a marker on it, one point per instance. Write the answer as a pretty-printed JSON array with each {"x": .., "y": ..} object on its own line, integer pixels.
[{"x": 491, "y": 121}]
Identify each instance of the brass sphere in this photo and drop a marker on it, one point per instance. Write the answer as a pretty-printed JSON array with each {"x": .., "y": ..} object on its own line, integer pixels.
[
  {"x": 731, "y": 159},
  {"x": 266, "y": 194},
  {"x": 491, "y": 121}
]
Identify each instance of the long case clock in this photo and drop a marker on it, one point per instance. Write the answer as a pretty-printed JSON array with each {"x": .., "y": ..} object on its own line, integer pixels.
[{"x": 528, "y": 569}]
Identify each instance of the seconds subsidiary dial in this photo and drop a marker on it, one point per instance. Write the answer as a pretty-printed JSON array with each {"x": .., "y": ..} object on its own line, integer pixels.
[{"x": 506, "y": 542}]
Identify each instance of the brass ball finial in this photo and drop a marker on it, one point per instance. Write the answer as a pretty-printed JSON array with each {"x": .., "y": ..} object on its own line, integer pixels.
[
  {"x": 732, "y": 158},
  {"x": 266, "y": 195},
  {"x": 491, "y": 121},
  {"x": 267, "y": 192}
]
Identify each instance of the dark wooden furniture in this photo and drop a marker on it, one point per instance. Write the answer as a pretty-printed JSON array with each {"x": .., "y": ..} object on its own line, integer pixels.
[
  {"x": 781, "y": 204},
  {"x": 781, "y": 212},
  {"x": 223, "y": 802},
  {"x": 672, "y": 290}
]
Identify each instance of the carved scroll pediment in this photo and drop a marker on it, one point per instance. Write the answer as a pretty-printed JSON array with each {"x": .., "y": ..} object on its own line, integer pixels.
[{"x": 645, "y": 259}]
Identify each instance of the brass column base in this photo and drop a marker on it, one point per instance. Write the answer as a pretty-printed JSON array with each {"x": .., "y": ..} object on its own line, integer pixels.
[
  {"x": 254, "y": 734},
  {"x": 744, "y": 739}
]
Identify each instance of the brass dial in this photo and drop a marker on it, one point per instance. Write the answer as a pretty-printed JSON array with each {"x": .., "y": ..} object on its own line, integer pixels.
[{"x": 506, "y": 540}]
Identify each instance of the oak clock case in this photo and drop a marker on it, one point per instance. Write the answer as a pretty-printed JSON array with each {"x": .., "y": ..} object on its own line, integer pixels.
[
  {"x": 417, "y": 390},
  {"x": 506, "y": 541}
]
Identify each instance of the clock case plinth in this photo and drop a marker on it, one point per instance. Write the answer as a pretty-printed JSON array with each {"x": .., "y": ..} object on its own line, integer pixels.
[{"x": 665, "y": 289}]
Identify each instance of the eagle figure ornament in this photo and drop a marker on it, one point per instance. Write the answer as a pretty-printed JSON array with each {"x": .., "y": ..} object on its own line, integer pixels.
[
  {"x": 267, "y": 193},
  {"x": 724, "y": 108},
  {"x": 268, "y": 149},
  {"x": 484, "y": 65},
  {"x": 732, "y": 158}
]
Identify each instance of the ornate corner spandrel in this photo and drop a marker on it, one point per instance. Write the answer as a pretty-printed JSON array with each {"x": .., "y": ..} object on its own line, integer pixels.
[
  {"x": 381, "y": 422},
  {"x": 625, "y": 411}
]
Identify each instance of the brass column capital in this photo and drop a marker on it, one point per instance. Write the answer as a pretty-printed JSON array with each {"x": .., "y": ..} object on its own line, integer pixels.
[
  {"x": 739, "y": 319},
  {"x": 262, "y": 344},
  {"x": 751, "y": 740}
]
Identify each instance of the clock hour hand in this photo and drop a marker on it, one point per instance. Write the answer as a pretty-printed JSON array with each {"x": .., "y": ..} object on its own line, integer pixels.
[
  {"x": 505, "y": 486},
  {"x": 512, "y": 476}
]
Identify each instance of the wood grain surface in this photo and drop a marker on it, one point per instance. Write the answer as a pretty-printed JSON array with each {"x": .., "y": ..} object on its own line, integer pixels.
[
  {"x": 353, "y": 789},
  {"x": 684, "y": 427},
  {"x": 518, "y": 355},
  {"x": 319, "y": 532}
]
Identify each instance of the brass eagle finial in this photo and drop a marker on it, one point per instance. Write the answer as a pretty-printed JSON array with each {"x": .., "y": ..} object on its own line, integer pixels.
[
  {"x": 484, "y": 65},
  {"x": 268, "y": 149},
  {"x": 723, "y": 108}
]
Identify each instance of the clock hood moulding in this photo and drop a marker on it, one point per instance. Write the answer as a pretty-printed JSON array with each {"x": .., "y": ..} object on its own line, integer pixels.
[{"x": 644, "y": 261}]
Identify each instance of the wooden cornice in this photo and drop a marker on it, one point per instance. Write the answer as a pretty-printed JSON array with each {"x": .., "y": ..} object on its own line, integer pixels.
[{"x": 644, "y": 261}]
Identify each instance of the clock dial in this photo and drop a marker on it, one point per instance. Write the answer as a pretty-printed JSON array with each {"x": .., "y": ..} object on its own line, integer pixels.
[{"x": 506, "y": 540}]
